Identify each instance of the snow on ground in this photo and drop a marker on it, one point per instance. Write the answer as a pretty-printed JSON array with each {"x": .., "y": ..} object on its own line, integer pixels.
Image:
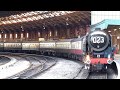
[
  {"x": 11, "y": 62},
  {"x": 13, "y": 67},
  {"x": 64, "y": 69},
  {"x": 4, "y": 60}
]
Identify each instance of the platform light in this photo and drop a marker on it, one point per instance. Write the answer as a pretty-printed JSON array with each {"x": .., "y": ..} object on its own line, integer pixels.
[
  {"x": 43, "y": 27},
  {"x": 67, "y": 23},
  {"x": 115, "y": 29},
  {"x": 118, "y": 37},
  {"x": 22, "y": 28},
  {"x": 109, "y": 31}
]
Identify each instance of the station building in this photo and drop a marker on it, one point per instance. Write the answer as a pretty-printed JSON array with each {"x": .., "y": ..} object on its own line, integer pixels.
[
  {"x": 44, "y": 25},
  {"x": 109, "y": 21}
]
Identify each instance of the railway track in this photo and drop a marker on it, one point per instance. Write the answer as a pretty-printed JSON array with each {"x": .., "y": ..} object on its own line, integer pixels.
[
  {"x": 46, "y": 63},
  {"x": 86, "y": 74},
  {"x": 39, "y": 63},
  {"x": 97, "y": 75},
  {"x": 4, "y": 60},
  {"x": 109, "y": 73}
]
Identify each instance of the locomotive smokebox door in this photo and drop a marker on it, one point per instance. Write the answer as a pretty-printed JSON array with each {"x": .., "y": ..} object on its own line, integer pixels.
[{"x": 98, "y": 40}]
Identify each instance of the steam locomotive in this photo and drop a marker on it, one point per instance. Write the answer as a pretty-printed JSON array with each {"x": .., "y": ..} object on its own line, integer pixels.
[
  {"x": 99, "y": 50},
  {"x": 94, "y": 49}
]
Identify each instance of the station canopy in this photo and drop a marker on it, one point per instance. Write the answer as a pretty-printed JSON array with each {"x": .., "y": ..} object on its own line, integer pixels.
[
  {"x": 110, "y": 24},
  {"x": 17, "y": 20}
]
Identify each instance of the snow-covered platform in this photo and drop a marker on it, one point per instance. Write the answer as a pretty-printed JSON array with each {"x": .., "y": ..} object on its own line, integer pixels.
[
  {"x": 4, "y": 60},
  {"x": 13, "y": 67},
  {"x": 63, "y": 69}
]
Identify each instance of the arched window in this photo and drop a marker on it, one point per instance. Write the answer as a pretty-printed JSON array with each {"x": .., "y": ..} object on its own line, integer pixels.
[
  {"x": 5, "y": 35},
  {"x": 21, "y": 35},
  {"x": 27, "y": 35},
  {"x": 38, "y": 34},
  {"x": 15, "y": 35},
  {"x": 50, "y": 33},
  {"x": 56, "y": 33},
  {"x": 10, "y": 35},
  {"x": 0, "y": 36}
]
